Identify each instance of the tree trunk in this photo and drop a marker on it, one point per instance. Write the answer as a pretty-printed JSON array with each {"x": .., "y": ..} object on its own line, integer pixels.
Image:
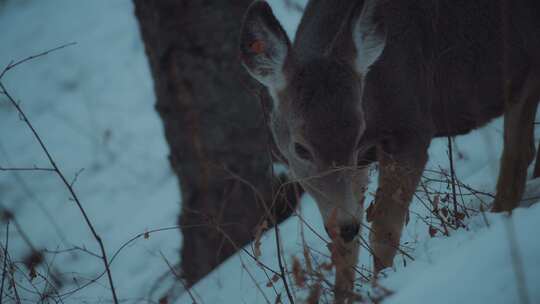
[{"x": 213, "y": 124}]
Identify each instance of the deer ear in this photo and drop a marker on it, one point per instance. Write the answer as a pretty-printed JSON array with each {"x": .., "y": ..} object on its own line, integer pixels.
[
  {"x": 369, "y": 38},
  {"x": 264, "y": 45}
]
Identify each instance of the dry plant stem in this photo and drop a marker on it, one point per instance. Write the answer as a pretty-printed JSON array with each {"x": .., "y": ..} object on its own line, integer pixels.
[
  {"x": 56, "y": 168},
  {"x": 14, "y": 286},
  {"x": 460, "y": 184},
  {"x": 255, "y": 282},
  {"x": 23, "y": 234},
  {"x": 74, "y": 248},
  {"x": 5, "y": 264},
  {"x": 116, "y": 253},
  {"x": 29, "y": 280},
  {"x": 12, "y": 64},
  {"x": 178, "y": 277},
  {"x": 262, "y": 265},
  {"x": 483, "y": 213},
  {"x": 33, "y": 169},
  {"x": 276, "y": 227},
  {"x": 246, "y": 251},
  {"x": 34, "y": 199},
  {"x": 433, "y": 212},
  {"x": 281, "y": 268},
  {"x": 452, "y": 175}
]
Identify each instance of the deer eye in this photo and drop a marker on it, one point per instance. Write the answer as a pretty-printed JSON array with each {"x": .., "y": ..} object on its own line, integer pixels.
[
  {"x": 302, "y": 152},
  {"x": 367, "y": 157}
]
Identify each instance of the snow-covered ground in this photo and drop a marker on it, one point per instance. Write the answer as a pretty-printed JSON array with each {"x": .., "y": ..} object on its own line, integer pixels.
[{"x": 92, "y": 103}]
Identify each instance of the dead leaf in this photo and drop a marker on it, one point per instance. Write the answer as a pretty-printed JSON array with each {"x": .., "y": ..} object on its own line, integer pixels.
[
  {"x": 435, "y": 203},
  {"x": 258, "y": 234},
  {"x": 432, "y": 231},
  {"x": 314, "y": 294},
  {"x": 274, "y": 279},
  {"x": 164, "y": 300},
  {"x": 32, "y": 274},
  {"x": 307, "y": 259},
  {"x": 299, "y": 274}
]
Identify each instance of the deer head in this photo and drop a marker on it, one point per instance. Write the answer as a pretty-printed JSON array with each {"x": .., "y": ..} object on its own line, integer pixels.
[{"x": 317, "y": 118}]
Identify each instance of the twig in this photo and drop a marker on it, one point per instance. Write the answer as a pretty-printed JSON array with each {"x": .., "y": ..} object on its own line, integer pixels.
[
  {"x": 20, "y": 231},
  {"x": 452, "y": 175},
  {"x": 280, "y": 263},
  {"x": 36, "y": 291},
  {"x": 483, "y": 213},
  {"x": 254, "y": 281},
  {"x": 237, "y": 248},
  {"x": 5, "y": 264},
  {"x": 55, "y": 166},
  {"x": 12, "y": 281},
  {"x": 27, "y": 169},
  {"x": 35, "y": 199},
  {"x": 276, "y": 229},
  {"x": 12, "y": 64},
  {"x": 178, "y": 277},
  {"x": 14, "y": 286},
  {"x": 117, "y": 252},
  {"x": 76, "y": 177},
  {"x": 74, "y": 248}
]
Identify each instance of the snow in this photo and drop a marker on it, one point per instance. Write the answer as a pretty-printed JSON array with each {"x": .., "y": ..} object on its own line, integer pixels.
[
  {"x": 93, "y": 105},
  {"x": 474, "y": 266}
]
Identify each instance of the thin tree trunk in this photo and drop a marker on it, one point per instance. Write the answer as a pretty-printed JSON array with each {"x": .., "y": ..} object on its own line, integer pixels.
[
  {"x": 213, "y": 125},
  {"x": 536, "y": 172}
]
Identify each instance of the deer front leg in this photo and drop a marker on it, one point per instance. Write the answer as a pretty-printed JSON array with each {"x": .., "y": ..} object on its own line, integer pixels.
[{"x": 398, "y": 177}]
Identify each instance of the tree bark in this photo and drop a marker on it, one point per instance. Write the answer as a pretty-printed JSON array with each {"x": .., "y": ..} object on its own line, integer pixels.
[{"x": 213, "y": 124}]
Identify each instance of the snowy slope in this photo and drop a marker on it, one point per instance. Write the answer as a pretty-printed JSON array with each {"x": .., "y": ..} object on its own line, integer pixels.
[{"x": 472, "y": 266}]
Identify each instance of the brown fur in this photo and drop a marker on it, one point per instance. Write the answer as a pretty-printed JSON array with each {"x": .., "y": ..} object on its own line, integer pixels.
[{"x": 448, "y": 67}]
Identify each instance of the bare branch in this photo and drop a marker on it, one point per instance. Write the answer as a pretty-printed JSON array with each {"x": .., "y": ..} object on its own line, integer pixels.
[
  {"x": 5, "y": 263},
  {"x": 178, "y": 277},
  {"x": 13, "y": 64},
  {"x": 27, "y": 169},
  {"x": 52, "y": 162}
]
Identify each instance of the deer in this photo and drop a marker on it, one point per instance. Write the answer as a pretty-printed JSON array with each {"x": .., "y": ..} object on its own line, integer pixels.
[{"x": 376, "y": 81}]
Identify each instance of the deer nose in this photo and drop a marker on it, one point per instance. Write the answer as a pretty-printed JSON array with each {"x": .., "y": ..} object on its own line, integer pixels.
[{"x": 348, "y": 232}]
